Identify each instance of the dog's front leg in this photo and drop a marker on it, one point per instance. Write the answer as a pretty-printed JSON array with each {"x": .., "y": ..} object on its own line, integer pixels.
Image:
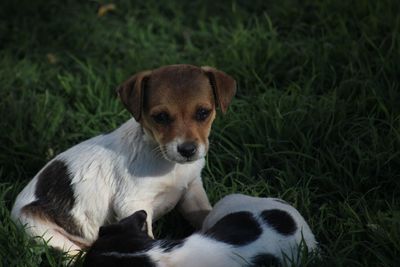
[{"x": 194, "y": 204}]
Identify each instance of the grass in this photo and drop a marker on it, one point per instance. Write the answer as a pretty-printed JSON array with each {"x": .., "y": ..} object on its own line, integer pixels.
[{"x": 316, "y": 120}]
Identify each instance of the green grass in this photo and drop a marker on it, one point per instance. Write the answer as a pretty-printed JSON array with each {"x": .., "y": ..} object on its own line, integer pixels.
[{"x": 316, "y": 120}]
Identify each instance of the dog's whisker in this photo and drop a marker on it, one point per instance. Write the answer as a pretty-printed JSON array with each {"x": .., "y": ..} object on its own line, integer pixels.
[{"x": 157, "y": 152}]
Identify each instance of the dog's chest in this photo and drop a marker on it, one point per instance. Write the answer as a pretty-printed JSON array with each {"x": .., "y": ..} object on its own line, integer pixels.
[
  {"x": 162, "y": 193},
  {"x": 166, "y": 196}
]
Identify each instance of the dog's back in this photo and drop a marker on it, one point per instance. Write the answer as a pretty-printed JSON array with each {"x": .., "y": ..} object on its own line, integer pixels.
[{"x": 275, "y": 230}]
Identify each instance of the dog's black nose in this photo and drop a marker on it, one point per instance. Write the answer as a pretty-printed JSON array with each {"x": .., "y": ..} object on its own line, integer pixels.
[{"x": 187, "y": 149}]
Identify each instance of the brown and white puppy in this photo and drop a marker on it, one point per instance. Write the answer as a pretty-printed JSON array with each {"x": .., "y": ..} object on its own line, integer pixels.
[{"x": 152, "y": 162}]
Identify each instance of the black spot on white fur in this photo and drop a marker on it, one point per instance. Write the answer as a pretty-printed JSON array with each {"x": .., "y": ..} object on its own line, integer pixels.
[
  {"x": 280, "y": 220},
  {"x": 239, "y": 228},
  {"x": 55, "y": 197},
  {"x": 264, "y": 260}
]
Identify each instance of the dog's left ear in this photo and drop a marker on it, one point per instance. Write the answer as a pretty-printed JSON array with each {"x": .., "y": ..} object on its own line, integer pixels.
[
  {"x": 131, "y": 93},
  {"x": 134, "y": 222},
  {"x": 141, "y": 217},
  {"x": 137, "y": 220},
  {"x": 223, "y": 85}
]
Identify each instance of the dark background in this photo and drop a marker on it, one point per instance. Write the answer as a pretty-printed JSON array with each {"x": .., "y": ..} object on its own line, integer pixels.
[{"x": 316, "y": 119}]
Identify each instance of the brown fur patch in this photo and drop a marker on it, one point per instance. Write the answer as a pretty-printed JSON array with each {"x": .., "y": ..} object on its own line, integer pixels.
[{"x": 179, "y": 90}]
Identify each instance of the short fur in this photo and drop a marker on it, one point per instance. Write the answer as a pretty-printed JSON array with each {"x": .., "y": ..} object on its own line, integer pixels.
[
  {"x": 284, "y": 229},
  {"x": 239, "y": 231},
  {"x": 149, "y": 163}
]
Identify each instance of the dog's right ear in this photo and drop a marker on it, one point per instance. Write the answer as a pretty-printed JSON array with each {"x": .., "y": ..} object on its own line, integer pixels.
[{"x": 131, "y": 93}]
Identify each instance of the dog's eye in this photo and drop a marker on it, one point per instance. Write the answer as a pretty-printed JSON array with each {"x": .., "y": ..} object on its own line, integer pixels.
[
  {"x": 202, "y": 114},
  {"x": 162, "y": 118}
]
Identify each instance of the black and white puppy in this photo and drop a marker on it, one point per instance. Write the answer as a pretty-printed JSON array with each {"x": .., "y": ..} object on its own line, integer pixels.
[{"x": 240, "y": 231}]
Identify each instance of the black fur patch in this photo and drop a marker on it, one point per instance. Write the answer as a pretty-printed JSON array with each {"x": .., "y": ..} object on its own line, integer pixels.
[
  {"x": 55, "y": 197},
  {"x": 114, "y": 249},
  {"x": 264, "y": 260},
  {"x": 239, "y": 228},
  {"x": 168, "y": 245},
  {"x": 112, "y": 261},
  {"x": 280, "y": 220}
]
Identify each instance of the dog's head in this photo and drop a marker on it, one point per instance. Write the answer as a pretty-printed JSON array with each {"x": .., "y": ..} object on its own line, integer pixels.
[{"x": 176, "y": 106}]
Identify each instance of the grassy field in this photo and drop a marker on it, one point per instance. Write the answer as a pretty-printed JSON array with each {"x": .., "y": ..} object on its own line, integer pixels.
[{"x": 316, "y": 120}]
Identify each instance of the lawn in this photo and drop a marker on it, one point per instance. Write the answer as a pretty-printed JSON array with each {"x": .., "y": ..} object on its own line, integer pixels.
[{"x": 316, "y": 120}]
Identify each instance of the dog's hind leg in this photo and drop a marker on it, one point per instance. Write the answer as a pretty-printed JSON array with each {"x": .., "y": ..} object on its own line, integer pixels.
[{"x": 52, "y": 234}]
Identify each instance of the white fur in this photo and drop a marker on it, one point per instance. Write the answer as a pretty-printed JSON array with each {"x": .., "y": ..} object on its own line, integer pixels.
[
  {"x": 199, "y": 250},
  {"x": 271, "y": 241},
  {"x": 114, "y": 175}
]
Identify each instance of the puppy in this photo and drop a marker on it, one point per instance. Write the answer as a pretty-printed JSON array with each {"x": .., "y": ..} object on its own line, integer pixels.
[
  {"x": 261, "y": 229},
  {"x": 151, "y": 163},
  {"x": 239, "y": 231}
]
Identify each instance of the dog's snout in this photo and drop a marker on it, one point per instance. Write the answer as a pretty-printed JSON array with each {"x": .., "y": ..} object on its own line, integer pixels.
[{"x": 187, "y": 149}]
